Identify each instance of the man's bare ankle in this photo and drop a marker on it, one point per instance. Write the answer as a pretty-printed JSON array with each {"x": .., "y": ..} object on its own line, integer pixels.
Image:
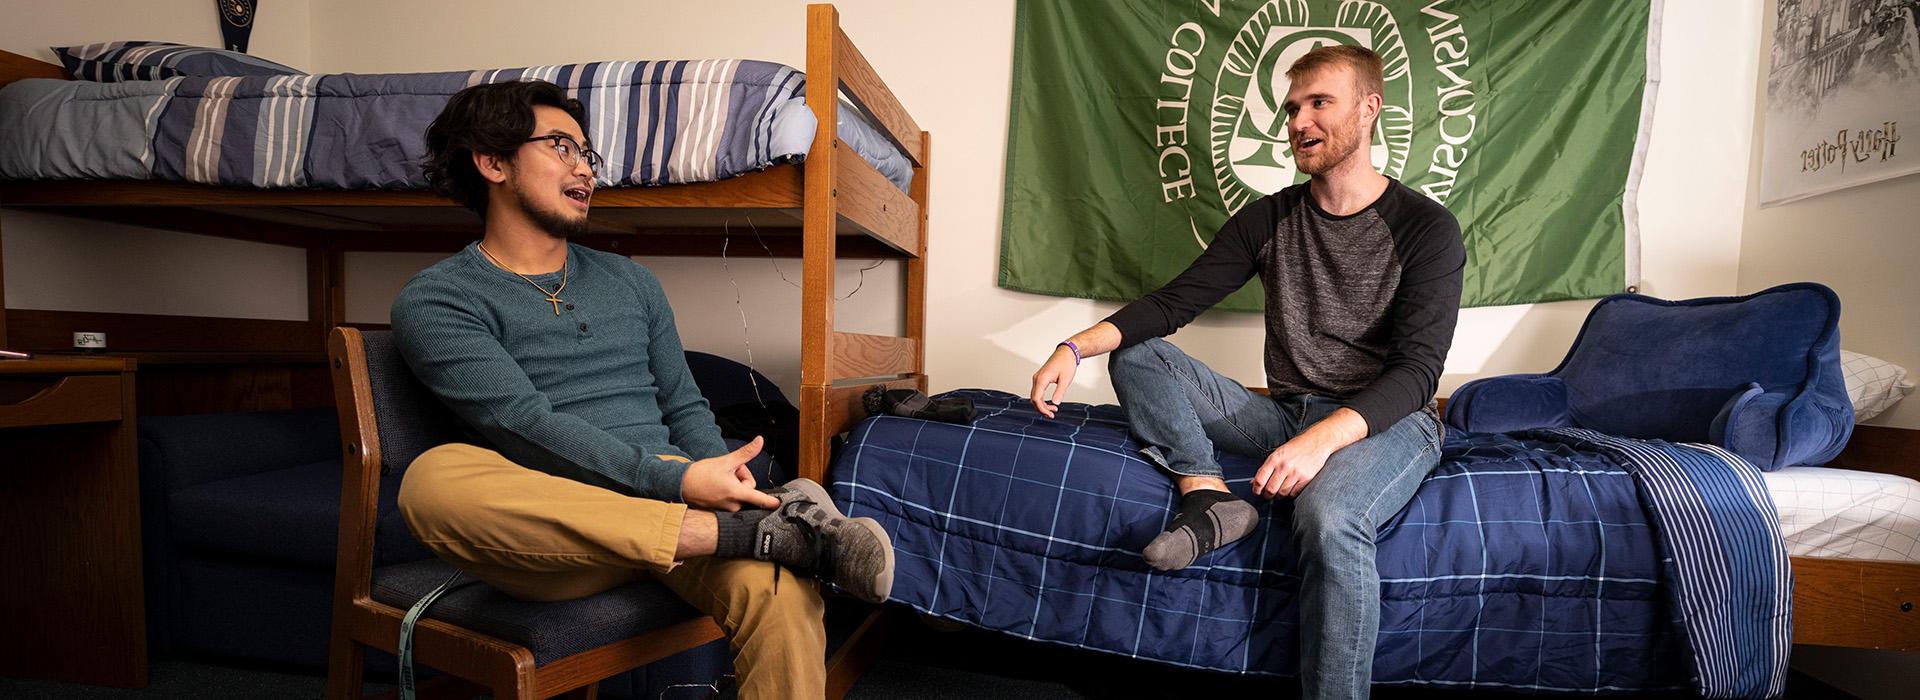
[{"x": 1189, "y": 484}]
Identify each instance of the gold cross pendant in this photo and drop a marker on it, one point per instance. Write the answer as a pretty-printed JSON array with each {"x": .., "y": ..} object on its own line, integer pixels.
[{"x": 556, "y": 303}]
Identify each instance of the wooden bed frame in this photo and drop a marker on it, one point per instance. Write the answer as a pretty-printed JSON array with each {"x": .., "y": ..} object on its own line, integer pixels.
[
  {"x": 1853, "y": 602},
  {"x": 833, "y": 206}
]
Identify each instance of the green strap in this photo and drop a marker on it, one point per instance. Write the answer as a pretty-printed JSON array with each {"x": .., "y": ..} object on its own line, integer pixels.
[{"x": 406, "y": 634}]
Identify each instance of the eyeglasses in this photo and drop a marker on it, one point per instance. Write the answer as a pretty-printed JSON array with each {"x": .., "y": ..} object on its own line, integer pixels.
[{"x": 571, "y": 152}]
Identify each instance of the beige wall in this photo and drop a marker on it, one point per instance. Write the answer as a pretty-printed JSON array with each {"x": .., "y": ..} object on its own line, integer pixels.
[{"x": 280, "y": 32}]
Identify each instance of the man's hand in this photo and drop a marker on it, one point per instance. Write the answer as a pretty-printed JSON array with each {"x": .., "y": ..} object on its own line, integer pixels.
[
  {"x": 1296, "y": 462},
  {"x": 723, "y": 483},
  {"x": 1289, "y": 468},
  {"x": 1058, "y": 373}
]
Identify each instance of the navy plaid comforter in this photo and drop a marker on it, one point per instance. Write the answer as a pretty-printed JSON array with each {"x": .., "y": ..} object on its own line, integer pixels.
[{"x": 1530, "y": 562}]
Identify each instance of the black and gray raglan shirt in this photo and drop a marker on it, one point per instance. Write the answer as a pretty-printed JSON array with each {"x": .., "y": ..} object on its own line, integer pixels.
[{"x": 1359, "y": 308}]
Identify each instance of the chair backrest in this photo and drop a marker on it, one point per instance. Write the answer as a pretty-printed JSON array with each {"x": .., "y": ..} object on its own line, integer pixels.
[{"x": 409, "y": 419}]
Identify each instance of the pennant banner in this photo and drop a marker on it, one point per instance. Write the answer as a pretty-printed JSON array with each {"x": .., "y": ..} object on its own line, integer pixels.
[
  {"x": 1138, "y": 126},
  {"x": 236, "y": 23}
]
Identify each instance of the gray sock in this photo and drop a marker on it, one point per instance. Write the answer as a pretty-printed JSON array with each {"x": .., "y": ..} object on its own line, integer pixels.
[
  {"x": 735, "y": 533},
  {"x": 1207, "y": 520}
]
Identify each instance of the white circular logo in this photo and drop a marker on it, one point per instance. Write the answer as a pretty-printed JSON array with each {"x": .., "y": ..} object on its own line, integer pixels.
[{"x": 1247, "y": 129}]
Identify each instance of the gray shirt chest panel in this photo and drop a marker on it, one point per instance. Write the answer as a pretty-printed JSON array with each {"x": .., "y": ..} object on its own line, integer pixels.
[{"x": 1329, "y": 284}]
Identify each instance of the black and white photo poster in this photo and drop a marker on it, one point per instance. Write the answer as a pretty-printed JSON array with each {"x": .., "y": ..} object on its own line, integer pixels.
[{"x": 1843, "y": 85}]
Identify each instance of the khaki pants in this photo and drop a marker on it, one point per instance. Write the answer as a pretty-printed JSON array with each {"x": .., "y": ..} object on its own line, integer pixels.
[{"x": 540, "y": 537}]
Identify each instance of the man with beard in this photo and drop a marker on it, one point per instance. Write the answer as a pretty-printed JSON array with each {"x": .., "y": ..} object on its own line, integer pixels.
[
  {"x": 1362, "y": 281},
  {"x": 594, "y": 460}
]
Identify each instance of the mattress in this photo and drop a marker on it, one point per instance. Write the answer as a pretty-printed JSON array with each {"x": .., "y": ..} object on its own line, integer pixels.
[
  {"x": 1847, "y": 514},
  {"x": 655, "y": 122}
]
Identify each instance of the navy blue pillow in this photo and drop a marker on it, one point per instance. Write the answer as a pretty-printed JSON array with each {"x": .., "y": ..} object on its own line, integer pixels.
[
  {"x": 158, "y": 60},
  {"x": 1757, "y": 374}
]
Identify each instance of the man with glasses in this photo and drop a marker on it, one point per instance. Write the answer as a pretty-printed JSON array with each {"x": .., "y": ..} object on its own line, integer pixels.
[{"x": 594, "y": 460}]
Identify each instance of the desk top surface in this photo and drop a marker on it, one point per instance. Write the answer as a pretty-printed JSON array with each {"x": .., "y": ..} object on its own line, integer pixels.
[{"x": 67, "y": 364}]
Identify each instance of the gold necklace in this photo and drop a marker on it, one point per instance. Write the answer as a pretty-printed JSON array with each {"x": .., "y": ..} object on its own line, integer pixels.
[{"x": 552, "y": 297}]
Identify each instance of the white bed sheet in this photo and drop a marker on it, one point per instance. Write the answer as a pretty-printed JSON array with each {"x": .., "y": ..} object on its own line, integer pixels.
[{"x": 1847, "y": 514}]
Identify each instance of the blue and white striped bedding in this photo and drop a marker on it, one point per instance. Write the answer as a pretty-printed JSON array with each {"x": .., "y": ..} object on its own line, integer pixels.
[
  {"x": 1556, "y": 560},
  {"x": 656, "y": 122}
]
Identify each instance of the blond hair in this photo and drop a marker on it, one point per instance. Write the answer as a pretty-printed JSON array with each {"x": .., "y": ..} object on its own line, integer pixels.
[{"x": 1364, "y": 62}]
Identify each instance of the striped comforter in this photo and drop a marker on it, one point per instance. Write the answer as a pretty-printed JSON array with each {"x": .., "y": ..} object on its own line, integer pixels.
[
  {"x": 656, "y": 122},
  {"x": 1550, "y": 561}
]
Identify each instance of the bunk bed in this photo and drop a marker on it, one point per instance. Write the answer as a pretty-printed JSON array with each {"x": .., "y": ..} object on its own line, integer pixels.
[{"x": 832, "y": 205}]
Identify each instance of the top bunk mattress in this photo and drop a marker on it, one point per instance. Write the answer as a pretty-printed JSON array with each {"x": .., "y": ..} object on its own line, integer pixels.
[{"x": 655, "y": 122}]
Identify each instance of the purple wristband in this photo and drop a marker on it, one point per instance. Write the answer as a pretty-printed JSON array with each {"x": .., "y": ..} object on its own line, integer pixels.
[{"x": 1074, "y": 348}]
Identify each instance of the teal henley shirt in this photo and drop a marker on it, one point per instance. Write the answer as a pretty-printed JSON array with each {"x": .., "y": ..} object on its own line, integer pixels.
[{"x": 595, "y": 393}]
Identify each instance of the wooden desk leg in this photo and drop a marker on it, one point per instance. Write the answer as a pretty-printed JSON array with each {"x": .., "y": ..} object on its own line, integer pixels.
[{"x": 70, "y": 576}]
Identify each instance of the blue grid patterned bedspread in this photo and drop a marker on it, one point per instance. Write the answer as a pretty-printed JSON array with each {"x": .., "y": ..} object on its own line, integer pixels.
[
  {"x": 655, "y": 122},
  {"x": 1526, "y": 562}
]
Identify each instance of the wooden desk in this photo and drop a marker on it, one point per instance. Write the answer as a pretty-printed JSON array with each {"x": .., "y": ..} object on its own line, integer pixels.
[{"x": 71, "y": 598}]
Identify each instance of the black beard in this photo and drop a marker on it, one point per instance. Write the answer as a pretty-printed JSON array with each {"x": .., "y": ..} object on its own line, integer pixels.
[{"x": 555, "y": 224}]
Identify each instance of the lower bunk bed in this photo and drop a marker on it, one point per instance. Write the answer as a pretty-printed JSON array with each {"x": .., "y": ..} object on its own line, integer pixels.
[{"x": 1555, "y": 560}]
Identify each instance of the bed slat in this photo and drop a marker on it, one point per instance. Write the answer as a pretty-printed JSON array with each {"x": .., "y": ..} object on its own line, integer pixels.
[
  {"x": 870, "y": 201},
  {"x": 864, "y": 86},
  {"x": 1882, "y": 449},
  {"x": 858, "y": 355}
]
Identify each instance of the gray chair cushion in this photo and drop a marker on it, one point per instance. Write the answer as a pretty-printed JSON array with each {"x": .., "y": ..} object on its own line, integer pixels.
[{"x": 550, "y": 630}]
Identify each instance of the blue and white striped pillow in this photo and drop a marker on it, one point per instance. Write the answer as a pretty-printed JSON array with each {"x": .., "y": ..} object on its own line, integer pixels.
[{"x": 156, "y": 60}]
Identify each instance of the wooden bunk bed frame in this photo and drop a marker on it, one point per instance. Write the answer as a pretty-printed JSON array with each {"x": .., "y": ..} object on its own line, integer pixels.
[{"x": 832, "y": 206}]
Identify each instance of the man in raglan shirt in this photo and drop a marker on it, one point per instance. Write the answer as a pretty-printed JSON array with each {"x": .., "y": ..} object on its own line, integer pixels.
[{"x": 1362, "y": 282}]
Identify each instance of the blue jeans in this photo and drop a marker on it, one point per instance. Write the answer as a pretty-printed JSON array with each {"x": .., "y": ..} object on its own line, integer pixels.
[{"x": 1181, "y": 411}]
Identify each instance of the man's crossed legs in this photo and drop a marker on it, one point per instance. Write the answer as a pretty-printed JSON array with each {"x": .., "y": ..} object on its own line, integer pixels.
[{"x": 540, "y": 537}]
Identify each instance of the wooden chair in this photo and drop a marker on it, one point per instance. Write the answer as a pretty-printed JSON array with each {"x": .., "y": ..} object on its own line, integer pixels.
[{"x": 512, "y": 648}]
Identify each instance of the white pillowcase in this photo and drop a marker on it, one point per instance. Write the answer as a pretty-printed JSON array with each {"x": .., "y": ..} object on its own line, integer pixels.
[{"x": 1873, "y": 385}]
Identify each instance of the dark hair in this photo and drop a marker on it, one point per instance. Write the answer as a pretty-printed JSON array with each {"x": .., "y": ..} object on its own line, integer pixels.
[{"x": 493, "y": 119}]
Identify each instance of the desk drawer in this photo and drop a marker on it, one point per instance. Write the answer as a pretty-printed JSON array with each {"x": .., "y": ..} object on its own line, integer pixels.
[{"x": 82, "y": 398}]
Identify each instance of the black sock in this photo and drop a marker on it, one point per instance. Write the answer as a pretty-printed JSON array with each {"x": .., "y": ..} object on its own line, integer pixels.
[
  {"x": 1207, "y": 520},
  {"x": 734, "y": 533}
]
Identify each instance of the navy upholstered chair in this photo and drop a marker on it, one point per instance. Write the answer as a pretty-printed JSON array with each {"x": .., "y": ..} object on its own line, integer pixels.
[
  {"x": 513, "y": 648},
  {"x": 1756, "y": 374}
]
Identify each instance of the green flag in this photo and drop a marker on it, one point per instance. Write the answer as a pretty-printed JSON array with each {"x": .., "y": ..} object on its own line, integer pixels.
[{"x": 1138, "y": 126}]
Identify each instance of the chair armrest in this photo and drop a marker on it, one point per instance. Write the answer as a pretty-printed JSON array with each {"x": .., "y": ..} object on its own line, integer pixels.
[{"x": 1508, "y": 403}]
